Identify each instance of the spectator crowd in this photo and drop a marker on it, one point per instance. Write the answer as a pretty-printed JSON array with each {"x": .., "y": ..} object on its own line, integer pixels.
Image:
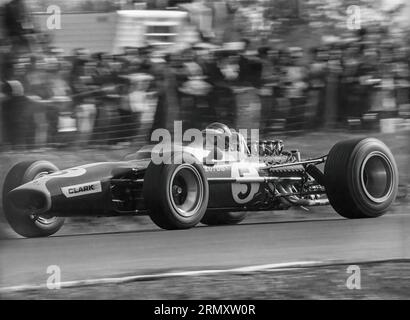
[{"x": 100, "y": 98}]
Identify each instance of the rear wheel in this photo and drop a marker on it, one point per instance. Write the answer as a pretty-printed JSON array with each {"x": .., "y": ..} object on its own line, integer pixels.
[
  {"x": 361, "y": 178},
  {"x": 214, "y": 218},
  {"x": 176, "y": 194},
  {"x": 28, "y": 225}
]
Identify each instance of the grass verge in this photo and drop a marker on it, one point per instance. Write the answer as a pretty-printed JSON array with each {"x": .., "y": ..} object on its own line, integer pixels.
[{"x": 386, "y": 280}]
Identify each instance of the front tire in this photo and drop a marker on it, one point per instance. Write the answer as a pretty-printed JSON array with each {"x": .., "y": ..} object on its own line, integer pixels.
[
  {"x": 28, "y": 226},
  {"x": 361, "y": 178},
  {"x": 176, "y": 194}
]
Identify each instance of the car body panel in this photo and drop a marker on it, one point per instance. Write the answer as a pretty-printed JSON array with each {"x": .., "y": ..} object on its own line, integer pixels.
[{"x": 86, "y": 189}]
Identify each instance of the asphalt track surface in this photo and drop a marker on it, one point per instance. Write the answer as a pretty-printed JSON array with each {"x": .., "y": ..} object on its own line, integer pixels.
[{"x": 80, "y": 257}]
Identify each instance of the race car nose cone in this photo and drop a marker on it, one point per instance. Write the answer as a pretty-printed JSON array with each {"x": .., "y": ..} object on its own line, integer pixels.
[{"x": 28, "y": 201}]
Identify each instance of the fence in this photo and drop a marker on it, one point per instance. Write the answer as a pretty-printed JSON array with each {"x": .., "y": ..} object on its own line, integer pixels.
[{"x": 97, "y": 124}]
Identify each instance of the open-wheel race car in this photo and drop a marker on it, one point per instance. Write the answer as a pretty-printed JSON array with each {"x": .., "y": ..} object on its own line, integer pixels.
[{"x": 216, "y": 186}]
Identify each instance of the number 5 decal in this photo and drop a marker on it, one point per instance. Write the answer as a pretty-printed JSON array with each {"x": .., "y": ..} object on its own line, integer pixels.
[{"x": 244, "y": 192}]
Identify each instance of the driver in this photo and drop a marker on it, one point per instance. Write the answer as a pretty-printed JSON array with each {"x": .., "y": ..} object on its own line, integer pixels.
[
  {"x": 220, "y": 136},
  {"x": 217, "y": 135}
]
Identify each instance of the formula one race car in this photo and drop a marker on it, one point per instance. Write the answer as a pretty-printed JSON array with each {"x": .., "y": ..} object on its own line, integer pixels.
[{"x": 196, "y": 183}]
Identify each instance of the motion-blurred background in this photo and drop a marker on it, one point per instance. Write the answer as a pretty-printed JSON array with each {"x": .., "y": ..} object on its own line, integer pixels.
[{"x": 109, "y": 72}]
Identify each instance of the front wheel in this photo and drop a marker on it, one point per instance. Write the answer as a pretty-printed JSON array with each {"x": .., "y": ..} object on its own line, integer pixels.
[
  {"x": 361, "y": 178},
  {"x": 176, "y": 194},
  {"x": 28, "y": 226}
]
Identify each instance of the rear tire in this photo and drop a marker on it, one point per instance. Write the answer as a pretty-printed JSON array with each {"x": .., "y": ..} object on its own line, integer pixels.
[
  {"x": 23, "y": 224},
  {"x": 176, "y": 195},
  {"x": 361, "y": 178},
  {"x": 212, "y": 218}
]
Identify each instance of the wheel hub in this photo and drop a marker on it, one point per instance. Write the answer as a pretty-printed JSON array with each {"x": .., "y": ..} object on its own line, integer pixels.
[
  {"x": 377, "y": 177},
  {"x": 186, "y": 190}
]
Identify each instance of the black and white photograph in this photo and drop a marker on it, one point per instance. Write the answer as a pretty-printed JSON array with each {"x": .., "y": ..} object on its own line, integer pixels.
[{"x": 204, "y": 156}]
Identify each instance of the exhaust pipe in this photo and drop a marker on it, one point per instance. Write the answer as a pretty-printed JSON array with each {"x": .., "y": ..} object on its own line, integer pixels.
[
  {"x": 296, "y": 201},
  {"x": 310, "y": 203}
]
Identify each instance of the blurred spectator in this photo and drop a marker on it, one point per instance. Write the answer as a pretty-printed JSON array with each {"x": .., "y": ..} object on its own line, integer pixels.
[
  {"x": 17, "y": 117},
  {"x": 59, "y": 92},
  {"x": 317, "y": 83},
  {"x": 296, "y": 88},
  {"x": 124, "y": 97},
  {"x": 193, "y": 93},
  {"x": 17, "y": 22},
  {"x": 266, "y": 86}
]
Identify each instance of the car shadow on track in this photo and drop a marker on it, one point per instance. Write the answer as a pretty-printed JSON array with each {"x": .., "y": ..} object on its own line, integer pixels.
[{"x": 243, "y": 224}]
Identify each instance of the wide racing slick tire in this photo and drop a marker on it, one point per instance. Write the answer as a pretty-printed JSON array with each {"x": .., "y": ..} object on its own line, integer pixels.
[
  {"x": 361, "y": 178},
  {"x": 176, "y": 195},
  {"x": 28, "y": 226},
  {"x": 214, "y": 218}
]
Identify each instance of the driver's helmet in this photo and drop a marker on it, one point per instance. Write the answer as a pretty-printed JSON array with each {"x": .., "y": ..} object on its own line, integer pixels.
[
  {"x": 238, "y": 142},
  {"x": 217, "y": 134}
]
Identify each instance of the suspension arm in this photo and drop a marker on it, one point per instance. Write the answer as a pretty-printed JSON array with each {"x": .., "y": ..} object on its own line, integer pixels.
[{"x": 318, "y": 160}]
